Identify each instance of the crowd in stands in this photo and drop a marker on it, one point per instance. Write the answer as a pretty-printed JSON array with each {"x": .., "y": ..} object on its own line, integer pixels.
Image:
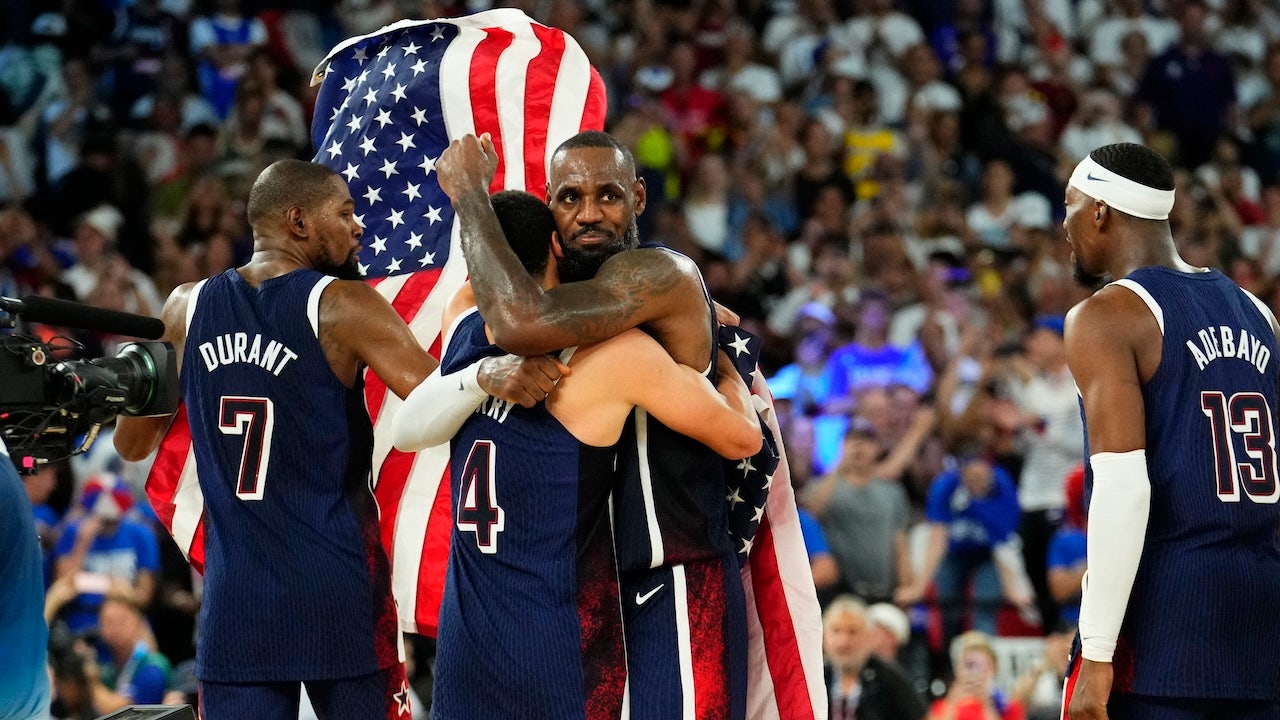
[{"x": 876, "y": 186}]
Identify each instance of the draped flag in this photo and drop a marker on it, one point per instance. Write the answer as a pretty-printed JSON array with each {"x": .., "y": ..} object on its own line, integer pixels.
[
  {"x": 388, "y": 105},
  {"x": 784, "y": 622}
]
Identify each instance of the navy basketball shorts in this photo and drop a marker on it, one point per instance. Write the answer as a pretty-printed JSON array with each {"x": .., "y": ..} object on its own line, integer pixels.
[
  {"x": 686, "y": 644},
  {"x": 383, "y": 694}
]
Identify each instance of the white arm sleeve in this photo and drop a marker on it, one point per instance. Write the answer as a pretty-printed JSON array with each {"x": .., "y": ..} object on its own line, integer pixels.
[
  {"x": 435, "y": 409},
  {"x": 1118, "y": 515}
]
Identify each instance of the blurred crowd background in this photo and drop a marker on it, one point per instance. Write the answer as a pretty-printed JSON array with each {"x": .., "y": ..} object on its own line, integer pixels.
[{"x": 876, "y": 186}]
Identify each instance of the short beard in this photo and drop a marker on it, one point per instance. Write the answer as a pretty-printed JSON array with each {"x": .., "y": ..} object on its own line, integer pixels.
[
  {"x": 581, "y": 263},
  {"x": 349, "y": 270},
  {"x": 1086, "y": 279}
]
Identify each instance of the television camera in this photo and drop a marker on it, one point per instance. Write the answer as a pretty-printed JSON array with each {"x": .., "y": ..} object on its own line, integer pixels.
[{"x": 53, "y": 405}]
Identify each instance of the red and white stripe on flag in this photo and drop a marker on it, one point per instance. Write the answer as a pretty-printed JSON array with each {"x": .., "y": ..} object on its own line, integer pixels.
[{"x": 784, "y": 621}]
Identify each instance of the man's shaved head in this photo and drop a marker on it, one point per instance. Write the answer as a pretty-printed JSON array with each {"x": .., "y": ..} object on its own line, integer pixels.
[{"x": 287, "y": 183}]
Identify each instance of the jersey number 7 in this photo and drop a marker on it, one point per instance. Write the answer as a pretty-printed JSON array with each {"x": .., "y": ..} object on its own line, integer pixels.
[
  {"x": 252, "y": 418},
  {"x": 1244, "y": 445}
]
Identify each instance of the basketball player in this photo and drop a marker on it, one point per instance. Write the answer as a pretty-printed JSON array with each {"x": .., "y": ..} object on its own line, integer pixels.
[
  {"x": 683, "y": 601},
  {"x": 297, "y": 586},
  {"x": 531, "y": 609},
  {"x": 1177, "y": 372}
]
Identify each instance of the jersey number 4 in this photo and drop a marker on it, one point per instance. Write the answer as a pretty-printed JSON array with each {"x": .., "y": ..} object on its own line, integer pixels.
[
  {"x": 478, "y": 508},
  {"x": 1244, "y": 445},
  {"x": 252, "y": 418}
]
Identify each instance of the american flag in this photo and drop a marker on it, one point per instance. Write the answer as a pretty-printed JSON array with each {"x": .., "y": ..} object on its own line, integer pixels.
[
  {"x": 388, "y": 105},
  {"x": 784, "y": 621}
]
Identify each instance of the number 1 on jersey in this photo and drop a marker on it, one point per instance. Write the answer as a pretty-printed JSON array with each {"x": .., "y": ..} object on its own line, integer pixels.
[
  {"x": 253, "y": 418},
  {"x": 478, "y": 508},
  {"x": 1242, "y": 421}
]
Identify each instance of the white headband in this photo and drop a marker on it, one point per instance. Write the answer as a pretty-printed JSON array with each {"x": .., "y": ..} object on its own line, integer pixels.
[{"x": 1120, "y": 192}]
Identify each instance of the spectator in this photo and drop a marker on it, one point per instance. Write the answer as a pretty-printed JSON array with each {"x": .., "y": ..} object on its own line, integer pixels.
[
  {"x": 826, "y": 573},
  {"x": 102, "y": 275},
  {"x": 1066, "y": 554},
  {"x": 972, "y": 511},
  {"x": 1052, "y": 437},
  {"x": 134, "y": 672},
  {"x": 890, "y": 629},
  {"x": 973, "y": 695},
  {"x": 870, "y": 361},
  {"x": 1039, "y": 689},
  {"x": 864, "y": 512},
  {"x": 1191, "y": 88},
  {"x": 223, "y": 41},
  {"x": 860, "y": 684},
  {"x": 103, "y": 544}
]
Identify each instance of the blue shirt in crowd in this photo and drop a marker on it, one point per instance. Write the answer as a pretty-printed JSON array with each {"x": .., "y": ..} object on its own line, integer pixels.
[
  {"x": 24, "y": 682},
  {"x": 976, "y": 524}
]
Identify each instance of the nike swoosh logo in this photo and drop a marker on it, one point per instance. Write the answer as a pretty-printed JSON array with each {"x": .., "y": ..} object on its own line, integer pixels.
[
  {"x": 642, "y": 599},
  {"x": 1089, "y": 176}
]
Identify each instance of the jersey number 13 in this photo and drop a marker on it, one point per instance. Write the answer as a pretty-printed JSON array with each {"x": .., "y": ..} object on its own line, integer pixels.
[{"x": 1244, "y": 445}]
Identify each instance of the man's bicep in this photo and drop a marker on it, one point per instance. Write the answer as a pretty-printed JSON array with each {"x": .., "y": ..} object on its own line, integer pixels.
[
  {"x": 367, "y": 324},
  {"x": 1105, "y": 369}
]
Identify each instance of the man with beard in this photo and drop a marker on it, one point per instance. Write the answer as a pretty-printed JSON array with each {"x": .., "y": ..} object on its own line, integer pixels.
[
  {"x": 683, "y": 603},
  {"x": 1181, "y": 599},
  {"x": 532, "y": 546},
  {"x": 297, "y": 586}
]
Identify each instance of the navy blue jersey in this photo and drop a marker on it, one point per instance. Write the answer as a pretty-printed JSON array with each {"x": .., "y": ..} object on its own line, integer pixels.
[
  {"x": 1204, "y": 614},
  {"x": 669, "y": 499},
  {"x": 297, "y": 586},
  {"x": 530, "y": 623}
]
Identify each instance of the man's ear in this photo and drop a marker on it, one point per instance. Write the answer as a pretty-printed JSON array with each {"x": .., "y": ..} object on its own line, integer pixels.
[
  {"x": 295, "y": 221},
  {"x": 1101, "y": 213},
  {"x": 641, "y": 195},
  {"x": 557, "y": 251}
]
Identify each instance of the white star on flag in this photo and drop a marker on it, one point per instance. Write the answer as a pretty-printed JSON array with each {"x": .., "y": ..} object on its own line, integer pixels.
[
  {"x": 437, "y": 33},
  {"x": 734, "y": 497},
  {"x": 367, "y": 145},
  {"x": 739, "y": 345},
  {"x": 383, "y": 119},
  {"x": 393, "y": 266},
  {"x": 396, "y": 218},
  {"x": 370, "y": 97},
  {"x": 433, "y": 214},
  {"x": 427, "y": 259},
  {"x": 411, "y": 191},
  {"x": 415, "y": 240},
  {"x": 360, "y": 55},
  {"x": 428, "y": 164},
  {"x": 405, "y": 142},
  {"x": 398, "y": 93},
  {"x": 379, "y": 245},
  {"x": 746, "y": 467},
  {"x": 419, "y": 116},
  {"x": 388, "y": 169},
  {"x": 335, "y": 149},
  {"x": 373, "y": 195},
  {"x": 389, "y": 71},
  {"x": 410, "y": 49},
  {"x": 418, "y": 67},
  {"x": 354, "y": 123},
  {"x": 352, "y": 172}
]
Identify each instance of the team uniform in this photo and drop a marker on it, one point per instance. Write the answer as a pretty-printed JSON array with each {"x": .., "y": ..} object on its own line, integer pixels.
[
  {"x": 530, "y": 623},
  {"x": 297, "y": 586},
  {"x": 1204, "y": 613},
  {"x": 684, "y": 609}
]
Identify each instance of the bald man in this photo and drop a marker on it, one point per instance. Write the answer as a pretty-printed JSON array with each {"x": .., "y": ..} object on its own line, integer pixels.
[{"x": 297, "y": 586}]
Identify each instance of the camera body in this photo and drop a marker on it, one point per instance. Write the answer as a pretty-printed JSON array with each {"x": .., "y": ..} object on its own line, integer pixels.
[{"x": 52, "y": 408}]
